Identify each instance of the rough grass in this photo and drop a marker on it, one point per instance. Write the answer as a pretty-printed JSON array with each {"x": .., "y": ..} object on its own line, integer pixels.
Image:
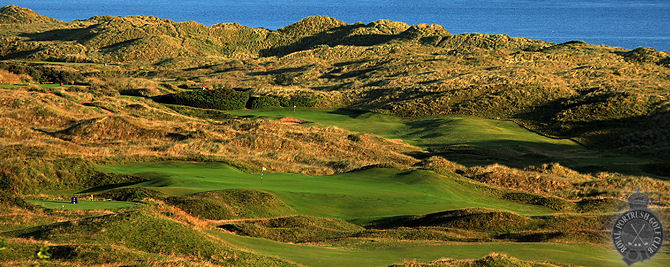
[
  {"x": 605, "y": 97},
  {"x": 212, "y": 114},
  {"x": 70, "y": 123},
  {"x": 473, "y": 141},
  {"x": 471, "y": 219},
  {"x": 9, "y": 200},
  {"x": 22, "y": 252},
  {"x": 604, "y": 191},
  {"x": 493, "y": 259},
  {"x": 231, "y": 203},
  {"x": 11, "y": 14},
  {"x": 7, "y": 77},
  {"x": 442, "y": 85},
  {"x": 482, "y": 225},
  {"x": 295, "y": 229},
  {"x": 84, "y": 204},
  {"x": 31, "y": 170},
  {"x": 144, "y": 232}
]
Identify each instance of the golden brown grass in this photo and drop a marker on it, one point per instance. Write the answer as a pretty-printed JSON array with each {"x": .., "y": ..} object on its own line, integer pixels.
[
  {"x": 562, "y": 182},
  {"x": 601, "y": 96},
  {"x": 11, "y": 78},
  {"x": 140, "y": 128},
  {"x": 493, "y": 259}
]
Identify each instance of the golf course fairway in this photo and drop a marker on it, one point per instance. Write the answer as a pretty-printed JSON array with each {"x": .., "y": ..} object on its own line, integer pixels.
[
  {"x": 362, "y": 196},
  {"x": 357, "y": 195},
  {"x": 83, "y": 204},
  {"x": 467, "y": 140},
  {"x": 383, "y": 254}
]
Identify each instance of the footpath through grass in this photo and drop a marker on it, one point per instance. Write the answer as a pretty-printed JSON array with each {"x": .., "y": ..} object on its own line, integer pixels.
[
  {"x": 359, "y": 195},
  {"x": 466, "y": 139}
]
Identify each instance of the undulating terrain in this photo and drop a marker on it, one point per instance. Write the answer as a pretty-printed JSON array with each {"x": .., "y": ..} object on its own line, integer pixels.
[{"x": 321, "y": 144}]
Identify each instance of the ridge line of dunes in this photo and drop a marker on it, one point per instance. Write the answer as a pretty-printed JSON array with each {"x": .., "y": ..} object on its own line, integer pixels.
[{"x": 122, "y": 39}]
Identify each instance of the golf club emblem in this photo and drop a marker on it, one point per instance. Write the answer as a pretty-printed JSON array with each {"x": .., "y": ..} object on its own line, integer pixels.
[{"x": 638, "y": 233}]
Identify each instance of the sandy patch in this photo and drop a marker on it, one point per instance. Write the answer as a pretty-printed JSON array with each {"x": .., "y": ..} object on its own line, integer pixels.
[{"x": 290, "y": 120}]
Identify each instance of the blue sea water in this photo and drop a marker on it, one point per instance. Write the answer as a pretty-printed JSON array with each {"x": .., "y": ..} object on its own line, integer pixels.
[{"x": 622, "y": 23}]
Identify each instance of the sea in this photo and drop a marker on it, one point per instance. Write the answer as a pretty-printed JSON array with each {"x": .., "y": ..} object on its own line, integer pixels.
[{"x": 622, "y": 23}]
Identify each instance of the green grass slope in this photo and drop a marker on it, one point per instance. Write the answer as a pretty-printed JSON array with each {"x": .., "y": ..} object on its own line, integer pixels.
[
  {"x": 359, "y": 195},
  {"x": 145, "y": 232},
  {"x": 83, "y": 204},
  {"x": 467, "y": 140},
  {"x": 295, "y": 229},
  {"x": 231, "y": 203},
  {"x": 452, "y": 175},
  {"x": 382, "y": 253}
]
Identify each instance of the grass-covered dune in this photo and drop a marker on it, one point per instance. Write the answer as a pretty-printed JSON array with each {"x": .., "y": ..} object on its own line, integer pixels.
[
  {"x": 373, "y": 216},
  {"x": 357, "y": 195},
  {"x": 386, "y": 197},
  {"x": 321, "y": 143},
  {"x": 604, "y": 97},
  {"x": 137, "y": 237}
]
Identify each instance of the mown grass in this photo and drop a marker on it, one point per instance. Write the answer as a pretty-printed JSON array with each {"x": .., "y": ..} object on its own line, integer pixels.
[
  {"x": 83, "y": 204},
  {"x": 428, "y": 133},
  {"x": 373, "y": 253},
  {"x": 467, "y": 140},
  {"x": 359, "y": 195},
  {"x": 604, "y": 97}
]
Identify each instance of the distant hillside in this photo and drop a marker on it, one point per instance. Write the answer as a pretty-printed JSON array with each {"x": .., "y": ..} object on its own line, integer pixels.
[
  {"x": 12, "y": 14},
  {"x": 121, "y": 39},
  {"x": 604, "y": 97}
]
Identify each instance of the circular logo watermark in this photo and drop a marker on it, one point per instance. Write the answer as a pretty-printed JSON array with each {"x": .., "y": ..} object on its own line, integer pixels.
[{"x": 638, "y": 233}]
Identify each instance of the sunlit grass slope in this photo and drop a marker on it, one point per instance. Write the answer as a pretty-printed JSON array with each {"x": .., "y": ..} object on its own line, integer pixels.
[
  {"x": 84, "y": 204},
  {"x": 429, "y": 132},
  {"x": 355, "y": 195},
  {"x": 467, "y": 140},
  {"x": 384, "y": 253}
]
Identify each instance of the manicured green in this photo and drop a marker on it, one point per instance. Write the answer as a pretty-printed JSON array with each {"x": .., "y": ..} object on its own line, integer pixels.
[
  {"x": 83, "y": 204},
  {"x": 356, "y": 195},
  {"x": 385, "y": 253}
]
